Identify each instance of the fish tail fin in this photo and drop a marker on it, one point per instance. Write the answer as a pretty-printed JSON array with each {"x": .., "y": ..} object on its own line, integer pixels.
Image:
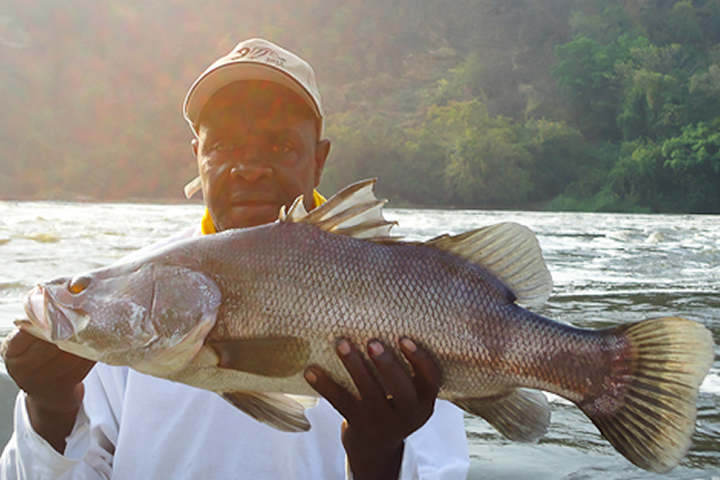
[{"x": 647, "y": 411}]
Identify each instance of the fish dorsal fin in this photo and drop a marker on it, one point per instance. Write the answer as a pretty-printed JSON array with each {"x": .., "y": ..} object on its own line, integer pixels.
[
  {"x": 354, "y": 211},
  {"x": 508, "y": 250}
]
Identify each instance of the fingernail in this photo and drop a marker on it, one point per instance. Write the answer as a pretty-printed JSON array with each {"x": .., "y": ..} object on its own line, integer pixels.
[
  {"x": 376, "y": 349},
  {"x": 310, "y": 376},
  {"x": 343, "y": 347},
  {"x": 409, "y": 345}
]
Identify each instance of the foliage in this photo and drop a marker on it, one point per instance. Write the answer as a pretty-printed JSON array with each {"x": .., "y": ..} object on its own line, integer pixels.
[
  {"x": 586, "y": 71},
  {"x": 560, "y": 156},
  {"x": 694, "y": 160},
  {"x": 486, "y": 164}
]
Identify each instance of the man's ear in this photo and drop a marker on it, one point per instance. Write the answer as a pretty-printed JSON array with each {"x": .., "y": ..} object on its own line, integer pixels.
[
  {"x": 322, "y": 150},
  {"x": 194, "y": 142}
]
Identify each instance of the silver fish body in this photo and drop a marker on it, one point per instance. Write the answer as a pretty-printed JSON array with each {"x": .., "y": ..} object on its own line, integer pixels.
[{"x": 245, "y": 312}]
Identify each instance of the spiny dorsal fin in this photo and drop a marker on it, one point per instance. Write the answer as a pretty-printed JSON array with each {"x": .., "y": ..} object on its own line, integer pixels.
[
  {"x": 296, "y": 212},
  {"x": 510, "y": 251},
  {"x": 354, "y": 212}
]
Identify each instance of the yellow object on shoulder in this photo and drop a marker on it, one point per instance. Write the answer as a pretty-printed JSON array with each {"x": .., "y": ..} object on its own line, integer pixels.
[{"x": 207, "y": 226}]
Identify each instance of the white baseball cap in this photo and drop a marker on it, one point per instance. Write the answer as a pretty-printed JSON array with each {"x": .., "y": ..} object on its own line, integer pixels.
[{"x": 254, "y": 59}]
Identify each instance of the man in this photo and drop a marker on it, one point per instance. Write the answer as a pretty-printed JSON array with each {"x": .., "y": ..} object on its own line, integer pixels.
[{"x": 258, "y": 122}]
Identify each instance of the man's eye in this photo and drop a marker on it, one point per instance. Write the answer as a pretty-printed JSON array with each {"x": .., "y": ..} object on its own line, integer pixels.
[
  {"x": 224, "y": 146},
  {"x": 281, "y": 148}
]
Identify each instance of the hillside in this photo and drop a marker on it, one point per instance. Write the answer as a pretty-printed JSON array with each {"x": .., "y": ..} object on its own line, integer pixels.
[{"x": 560, "y": 104}]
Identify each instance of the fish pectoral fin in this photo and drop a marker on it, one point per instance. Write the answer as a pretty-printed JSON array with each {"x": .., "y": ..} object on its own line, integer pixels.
[
  {"x": 280, "y": 411},
  {"x": 275, "y": 357},
  {"x": 508, "y": 250},
  {"x": 522, "y": 416},
  {"x": 354, "y": 212}
]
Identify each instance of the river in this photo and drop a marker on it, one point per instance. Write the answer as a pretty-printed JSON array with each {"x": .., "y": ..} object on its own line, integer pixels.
[{"x": 607, "y": 269}]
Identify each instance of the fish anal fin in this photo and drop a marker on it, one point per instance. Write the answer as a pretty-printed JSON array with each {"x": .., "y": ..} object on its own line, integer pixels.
[
  {"x": 280, "y": 411},
  {"x": 354, "y": 212},
  {"x": 268, "y": 356},
  {"x": 649, "y": 414},
  {"x": 509, "y": 251},
  {"x": 523, "y": 415}
]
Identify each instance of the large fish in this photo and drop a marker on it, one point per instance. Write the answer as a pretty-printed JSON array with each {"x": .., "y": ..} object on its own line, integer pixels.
[{"x": 244, "y": 312}]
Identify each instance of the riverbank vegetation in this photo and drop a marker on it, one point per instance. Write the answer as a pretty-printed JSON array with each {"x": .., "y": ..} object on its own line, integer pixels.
[{"x": 599, "y": 105}]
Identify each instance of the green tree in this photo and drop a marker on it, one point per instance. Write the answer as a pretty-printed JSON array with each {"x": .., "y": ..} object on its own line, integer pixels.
[
  {"x": 560, "y": 155},
  {"x": 683, "y": 23},
  {"x": 638, "y": 176},
  {"x": 655, "y": 93},
  {"x": 704, "y": 94},
  {"x": 586, "y": 73},
  {"x": 679, "y": 174},
  {"x": 694, "y": 160},
  {"x": 486, "y": 164}
]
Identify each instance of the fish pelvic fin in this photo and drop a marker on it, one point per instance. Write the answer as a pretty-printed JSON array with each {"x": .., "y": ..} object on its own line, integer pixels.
[
  {"x": 647, "y": 412},
  {"x": 354, "y": 211},
  {"x": 523, "y": 415},
  {"x": 511, "y": 252},
  {"x": 280, "y": 411}
]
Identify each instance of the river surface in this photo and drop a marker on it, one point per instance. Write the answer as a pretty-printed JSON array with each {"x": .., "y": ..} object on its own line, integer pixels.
[{"x": 607, "y": 269}]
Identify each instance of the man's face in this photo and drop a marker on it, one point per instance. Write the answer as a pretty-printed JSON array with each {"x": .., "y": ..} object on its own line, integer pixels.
[{"x": 257, "y": 149}]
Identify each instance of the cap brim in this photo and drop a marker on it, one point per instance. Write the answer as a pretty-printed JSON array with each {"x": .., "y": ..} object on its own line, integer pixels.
[{"x": 212, "y": 81}]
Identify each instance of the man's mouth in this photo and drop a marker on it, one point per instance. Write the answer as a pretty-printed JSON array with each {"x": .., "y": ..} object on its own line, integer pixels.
[{"x": 240, "y": 201}]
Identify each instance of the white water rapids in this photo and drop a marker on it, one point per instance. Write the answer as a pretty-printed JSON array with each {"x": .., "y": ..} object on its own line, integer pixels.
[{"x": 607, "y": 269}]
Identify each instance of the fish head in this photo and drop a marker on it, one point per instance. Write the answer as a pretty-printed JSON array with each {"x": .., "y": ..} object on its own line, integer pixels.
[{"x": 150, "y": 316}]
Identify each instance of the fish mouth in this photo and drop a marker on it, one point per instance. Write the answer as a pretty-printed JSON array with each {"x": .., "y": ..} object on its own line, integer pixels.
[{"x": 46, "y": 315}]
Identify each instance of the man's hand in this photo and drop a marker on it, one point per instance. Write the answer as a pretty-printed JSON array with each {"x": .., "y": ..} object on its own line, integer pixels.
[
  {"x": 52, "y": 380},
  {"x": 378, "y": 422}
]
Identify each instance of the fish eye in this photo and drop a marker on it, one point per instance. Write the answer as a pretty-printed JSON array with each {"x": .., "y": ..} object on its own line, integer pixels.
[{"x": 78, "y": 284}]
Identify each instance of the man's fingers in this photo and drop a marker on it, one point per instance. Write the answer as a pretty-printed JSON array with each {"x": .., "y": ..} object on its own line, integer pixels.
[
  {"x": 40, "y": 368},
  {"x": 359, "y": 371},
  {"x": 19, "y": 343},
  {"x": 42, "y": 355},
  {"x": 396, "y": 379},
  {"x": 75, "y": 370},
  {"x": 428, "y": 377},
  {"x": 343, "y": 401},
  {"x": 392, "y": 401}
]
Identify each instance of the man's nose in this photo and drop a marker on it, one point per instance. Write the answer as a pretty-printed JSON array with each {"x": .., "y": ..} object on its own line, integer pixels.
[{"x": 250, "y": 166}]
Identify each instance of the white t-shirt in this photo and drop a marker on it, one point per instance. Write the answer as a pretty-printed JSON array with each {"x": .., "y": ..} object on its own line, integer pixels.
[{"x": 134, "y": 427}]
